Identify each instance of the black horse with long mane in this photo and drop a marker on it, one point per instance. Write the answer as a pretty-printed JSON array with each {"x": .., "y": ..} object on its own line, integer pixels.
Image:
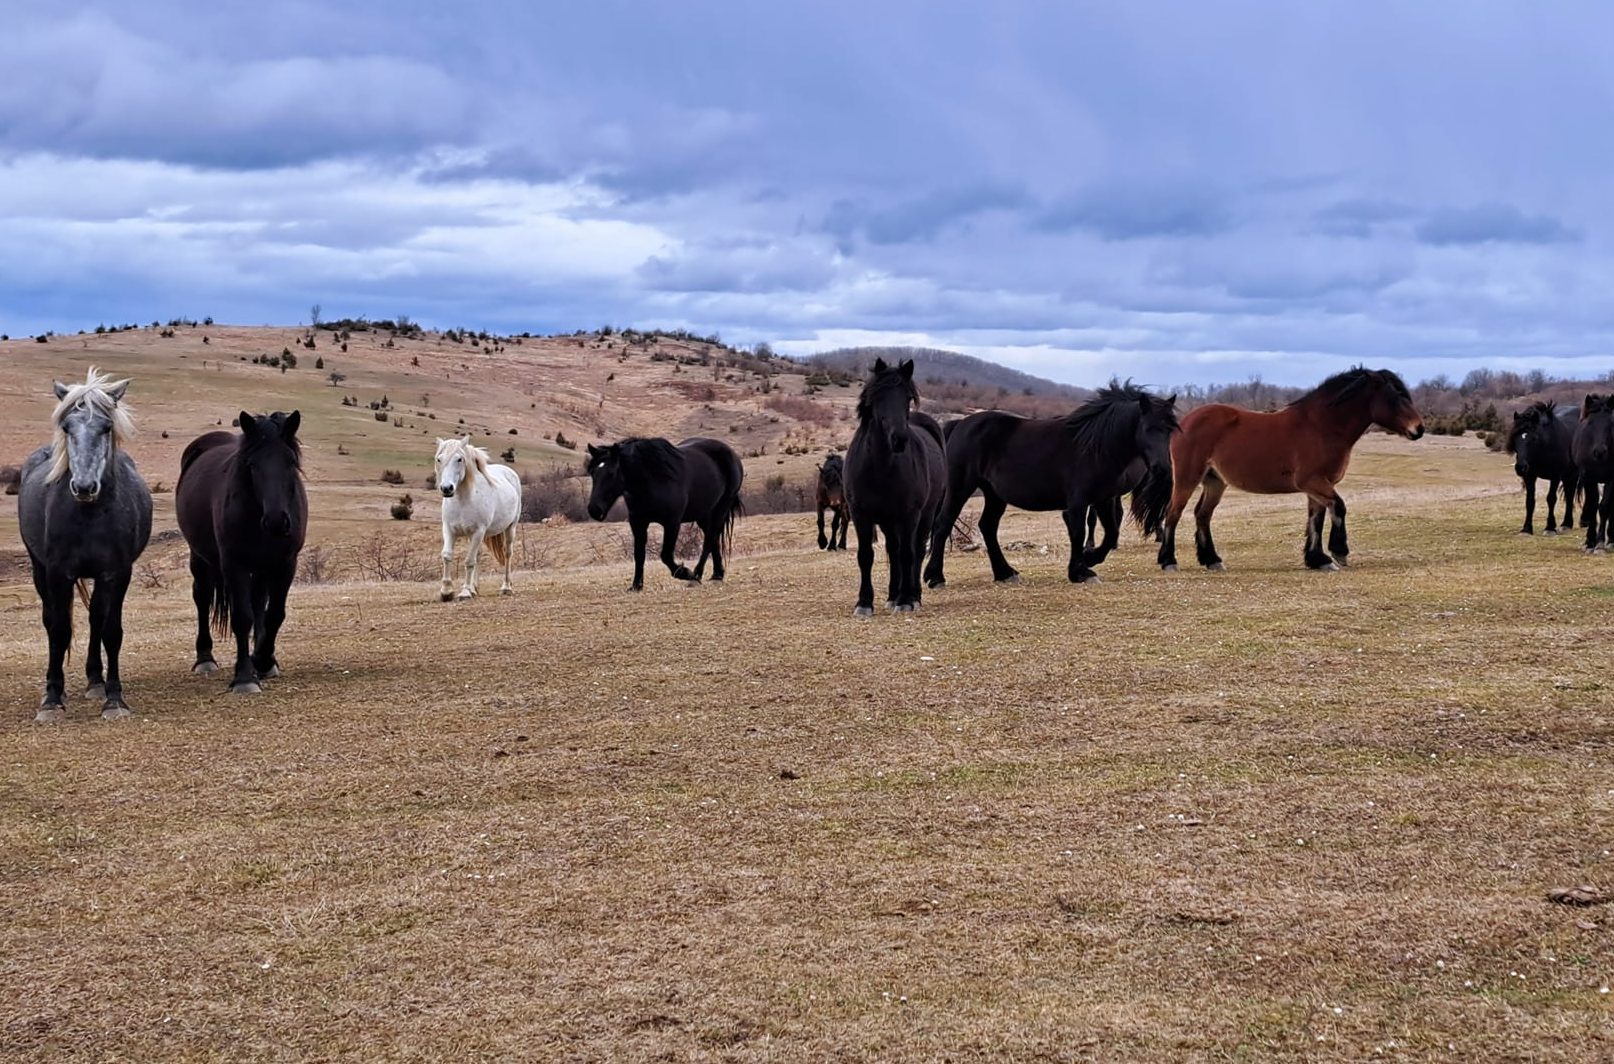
[
  {"x": 85, "y": 514},
  {"x": 1542, "y": 442},
  {"x": 896, "y": 479},
  {"x": 697, "y": 481},
  {"x": 1115, "y": 443},
  {"x": 832, "y": 497},
  {"x": 244, "y": 512},
  {"x": 1594, "y": 461}
]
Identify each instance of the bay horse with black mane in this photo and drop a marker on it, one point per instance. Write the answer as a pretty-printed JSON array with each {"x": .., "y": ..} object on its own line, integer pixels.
[
  {"x": 896, "y": 480},
  {"x": 244, "y": 512},
  {"x": 697, "y": 481},
  {"x": 85, "y": 514},
  {"x": 1594, "y": 462},
  {"x": 1117, "y": 442},
  {"x": 832, "y": 497},
  {"x": 1542, "y": 445},
  {"x": 1303, "y": 448}
]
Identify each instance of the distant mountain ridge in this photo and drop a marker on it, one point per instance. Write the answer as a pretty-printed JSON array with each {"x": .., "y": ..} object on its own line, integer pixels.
[{"x": 948, "y": 377}]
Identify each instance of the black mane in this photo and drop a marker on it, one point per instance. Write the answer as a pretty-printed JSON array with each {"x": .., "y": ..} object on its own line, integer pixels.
[
  {"x": 1344, "y": 386},
  {"x": 879, "y": 383},
  {"x": 650, "y": 457},
  {"x": 1107, "y": 423}
]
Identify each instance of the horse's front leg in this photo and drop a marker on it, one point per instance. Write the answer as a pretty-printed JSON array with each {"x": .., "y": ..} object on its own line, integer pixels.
[
  {"x": 669, "y": 548},
  {"x": 117, "y": 586},
  {"x": 1075, "y": 527},
  {"x": 641, "y": 535},
  {"x": 1315, "y": 556},
  {"x": 865, "y": 565},
  {"x": 203, "y": 582},
  {"x": 473, "y": 555},
  {"x": 1338, "y": 545},
  {"x": 1529, "y": 507},
  {"x": 843, "y": 521},
  {"x": 94, "y": 674},
  {"x": 1552, "y": 506},
  {"x": 56, "y": 610},
  {"x": 445, "y": 592},
  {"x": 1570, "y": 483},
  {"x": 1588, "y": 516},
  {"x": 507, "y": 588},
  {"x": 823, "y": 543},
  {"x": 1107, "y": 513},
  {"x": 238, "y": 586},
  {"x": 277, "y": 585}
]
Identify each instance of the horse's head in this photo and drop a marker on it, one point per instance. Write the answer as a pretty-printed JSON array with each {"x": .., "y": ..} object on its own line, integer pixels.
[
  {"x": 456, "y": 459},
  {"x": 1597, "y": 425},
  {"x": 1525, "y": 437},
  {"x": 273, "y": 458},
  {"x": 89, "y": 424},
  {"x": 1156, "y": 426},
  {"x": 1389, "y": 404},
  {"x": 887, "y": 399},
  {"x": 605, "y": 471}
]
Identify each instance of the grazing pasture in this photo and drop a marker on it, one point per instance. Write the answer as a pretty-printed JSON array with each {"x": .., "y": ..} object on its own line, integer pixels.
[{"x": 1252, "y": 815}]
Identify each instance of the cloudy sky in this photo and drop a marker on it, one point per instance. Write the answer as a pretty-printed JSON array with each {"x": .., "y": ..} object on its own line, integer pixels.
[{"x": 1175, "y": 191}]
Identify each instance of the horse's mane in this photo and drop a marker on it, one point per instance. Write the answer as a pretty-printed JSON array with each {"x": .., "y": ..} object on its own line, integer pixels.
[
  {"x": 650, "y": 456},
  {"x": 1346, "y": 385},
  {"x": 96, "y": 394},
  {"x": 477, "y": 456},
  {"x": 879, "y": 383},
  {"x": 1544, "y": 410},
  {"x": 252, "y": 446},
  {"x": 832, "y": 470},
  {"x": 1105, "y": 425}
]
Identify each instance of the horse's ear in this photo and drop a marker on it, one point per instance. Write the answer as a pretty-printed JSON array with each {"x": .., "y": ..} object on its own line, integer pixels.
[
  {"x": 880, "y": 366},
  {"x": 117, "y": 390},
  {"x": 293, "y": 419},
  {"x": 1587, "y": 405},
  {"x": 1171, "y": 400},
  {"x": 59, "y": 388},
  {"x": 906, "y": 369},
  {"x": 594, "y": 452},
  {"x": 248, "y": 423}
]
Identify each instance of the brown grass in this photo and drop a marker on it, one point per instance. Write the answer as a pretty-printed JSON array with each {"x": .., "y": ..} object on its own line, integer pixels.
[{"x": 1261, "y": 815}]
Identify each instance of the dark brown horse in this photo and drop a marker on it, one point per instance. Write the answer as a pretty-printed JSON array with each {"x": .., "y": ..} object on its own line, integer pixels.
[
  {"x": 242, "y": 507},
  {"x": 1542, "y": 445},
  {"x": 832, "y": 497},
  {"x": 1305, "y": 448},
  {"x": 1594, "y": 462}
]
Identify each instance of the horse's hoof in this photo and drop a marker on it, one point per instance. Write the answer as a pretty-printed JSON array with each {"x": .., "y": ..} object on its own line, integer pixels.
[
  {"x": 115, "y": 709},
  {"x": 1090, "y": 578},
  {"x": 205, "y": 668},
  {"x": 635, "y": 587},
  {"x": 1329, "y": 568},
  {"x": 1168, "y": 568},
  {"x": 1527, "y": 532},
  {"x": 1343, "y": 561},
  {"x": 1011, "y": 579},
  {"x": 904, "y": 607},
  {"x": 1550, "y": 532},
  {"x": 51, "y": 715},
  {"x": 445, "y": 596},
  {"x": 1214, "y": 567},
  {"x": 95, "y": 691},
  {"x": 507, "y": 591},
  {"x": 465, "y": 594},
  {"x": 245, "y": 689},
  {"x": 273, "y": 673},
  {"x": 861, "y": 611}
]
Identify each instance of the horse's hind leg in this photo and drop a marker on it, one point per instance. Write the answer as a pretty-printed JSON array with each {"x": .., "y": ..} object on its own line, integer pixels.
[
  {"x": 473, "y": 555},
  {"x": 508, "y": 588},
  {"x": 824, "y": 544},
  {"x": 238, "y": 585},
  {"x": 992, "y": 510},
  {"x": 1185, "y": 477},
  {"x": 1570, "y": 483},
  {"x": 669, "y": 548},
  {"x": 1588, "y": 514},
  {"x": 203, "y": 583},
  {"x": 842, "y": 521},
  {"x": 1204, "y": 544},
  {"x": 865, "y": 563},
  {"x": 116, "y": 587},
  {"x": 1109, "y": 514},
  {"x": 1078, "y": 570}
]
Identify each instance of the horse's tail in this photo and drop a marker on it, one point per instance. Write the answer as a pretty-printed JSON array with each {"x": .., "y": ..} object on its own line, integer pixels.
[
  {"x": 221, "y": 608},
  {"x": 1151, "y": 498},
  {"x": 736, "y": 511},
  {"x": 83, "y": 587},
  {"x": 498, "y": 544}
]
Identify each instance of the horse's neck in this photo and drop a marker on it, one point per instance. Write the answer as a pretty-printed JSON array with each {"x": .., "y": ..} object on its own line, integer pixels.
[
  {"x": 467, "y": 483},
  {"x": 1350, "y": 425}
]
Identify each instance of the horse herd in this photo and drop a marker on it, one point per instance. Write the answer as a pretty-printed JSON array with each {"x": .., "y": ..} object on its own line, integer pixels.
[{"x": 85, "y": 513}]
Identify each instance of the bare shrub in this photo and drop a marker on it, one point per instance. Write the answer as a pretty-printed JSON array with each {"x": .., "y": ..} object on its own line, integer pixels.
[
  {"x": 391, "y": 476},
  {"x": 779, "y": 496},
  {"x": 318, "y": 564},
  {"x": 383, "y": 558},
  {"x": 802, "y": 409},
  {"x": 554, "y": 491},
  {"x": 404, "y": 508}
]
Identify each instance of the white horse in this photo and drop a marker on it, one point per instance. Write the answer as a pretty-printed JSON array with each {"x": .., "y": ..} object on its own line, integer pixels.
[{"x": 481, "y": 501}]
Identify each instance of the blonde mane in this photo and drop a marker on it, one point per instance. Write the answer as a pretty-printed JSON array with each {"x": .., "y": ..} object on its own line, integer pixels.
[
  {"x": 94, "y": 394},
  {"x": 476, "y": 459}
]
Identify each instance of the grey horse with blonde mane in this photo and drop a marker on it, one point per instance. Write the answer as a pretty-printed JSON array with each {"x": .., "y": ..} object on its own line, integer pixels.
[{"x": 85, "y": 516}]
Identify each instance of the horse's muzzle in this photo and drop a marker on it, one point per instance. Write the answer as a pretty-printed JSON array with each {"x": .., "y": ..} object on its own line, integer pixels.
[
  {"x": 1417, "y": 433},
  {"x": 596, "y": 512},
  {"x": 85, "y": 492},
  {"x": 279, "y": 527},
  {"x": 448, "y": 491}
]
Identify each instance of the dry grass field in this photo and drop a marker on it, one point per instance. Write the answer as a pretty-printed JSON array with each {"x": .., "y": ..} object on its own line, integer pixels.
[{"x": 1265, "y": 814}]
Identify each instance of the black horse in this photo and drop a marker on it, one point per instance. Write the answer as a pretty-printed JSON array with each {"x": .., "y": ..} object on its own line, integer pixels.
[
  {"x": 244, "y": 512},
  {"x": 1116, "y": 442},
  {"x": 85, "y": 514},
  {"x": 832, "y": 497},
  {"x": 698, "y": 480},
  {"x": 1594, "y": 462},
  {"x": 896, "y": 479},
  {"x": 1542, "y": 443}
]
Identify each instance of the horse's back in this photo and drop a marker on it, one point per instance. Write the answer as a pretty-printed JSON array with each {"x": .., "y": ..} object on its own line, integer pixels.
[
  {"x": 202, "y": 444},
  {"x": 721, "y": 460}
]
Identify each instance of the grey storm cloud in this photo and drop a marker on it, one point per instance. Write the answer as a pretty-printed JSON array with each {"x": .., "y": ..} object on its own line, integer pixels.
[{"x": 1180, "y": 190}]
